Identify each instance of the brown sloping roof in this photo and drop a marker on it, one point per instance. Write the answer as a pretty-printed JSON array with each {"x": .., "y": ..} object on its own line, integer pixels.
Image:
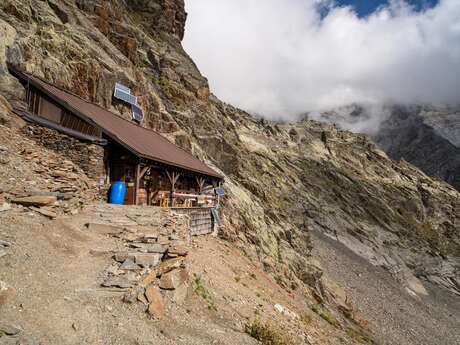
[{"x": 143, "y": 142}]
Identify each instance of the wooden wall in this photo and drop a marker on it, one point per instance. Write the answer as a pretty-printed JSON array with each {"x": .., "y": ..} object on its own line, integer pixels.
[{"x": 43, "y": 106}]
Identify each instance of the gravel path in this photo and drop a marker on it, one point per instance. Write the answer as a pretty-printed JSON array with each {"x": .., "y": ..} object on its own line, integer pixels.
[{"x": 395, "y": 317}]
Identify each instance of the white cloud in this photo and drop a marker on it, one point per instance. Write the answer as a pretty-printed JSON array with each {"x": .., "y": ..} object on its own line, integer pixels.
[{"x": 280, "y": 58}]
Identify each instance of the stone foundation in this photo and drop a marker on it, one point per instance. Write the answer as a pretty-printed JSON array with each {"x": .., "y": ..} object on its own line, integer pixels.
[{"x": 89, "y": 157}]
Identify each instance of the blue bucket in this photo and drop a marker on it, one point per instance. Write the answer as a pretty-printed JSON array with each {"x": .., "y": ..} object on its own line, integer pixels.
[{"x": 117, "y": 193}]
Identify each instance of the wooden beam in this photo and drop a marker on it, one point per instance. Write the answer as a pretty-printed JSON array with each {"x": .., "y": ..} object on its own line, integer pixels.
[
  {"x": 143, "y": 171},
  {"x": 138, "y": 179}
]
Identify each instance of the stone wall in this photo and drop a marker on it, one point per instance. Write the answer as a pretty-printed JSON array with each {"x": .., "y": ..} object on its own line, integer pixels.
[{"x": 89, "y": 157}]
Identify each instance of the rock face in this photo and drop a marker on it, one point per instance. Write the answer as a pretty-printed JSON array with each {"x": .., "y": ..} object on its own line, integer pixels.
[
  {"x": 427, "y": 137},
  {"x": 282, "y": 180}
]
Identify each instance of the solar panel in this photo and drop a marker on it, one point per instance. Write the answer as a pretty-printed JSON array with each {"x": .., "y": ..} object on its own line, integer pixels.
[
  {"x": 123, "y": 88},
  {"x": 220, "y": 191},
  {"x": 124, "y": 96},
  {"x": 216, "y": 216},
  {"x": 138, "y": 114}
]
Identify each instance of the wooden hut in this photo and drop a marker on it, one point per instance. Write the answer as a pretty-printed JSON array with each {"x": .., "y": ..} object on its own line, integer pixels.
[{"x": 154, "y": 169}]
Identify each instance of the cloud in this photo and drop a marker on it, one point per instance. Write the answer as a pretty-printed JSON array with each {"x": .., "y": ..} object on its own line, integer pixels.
[{"x": 282, "y": 58}]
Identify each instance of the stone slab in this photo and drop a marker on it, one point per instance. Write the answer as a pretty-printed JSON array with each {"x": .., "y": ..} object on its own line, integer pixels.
[
  {"x": 147, "y": 259},
  {"x": 120, "y": 282},
  {"x": 163, "y": 268},
  {"x": 38, "y": 200},
  {"x": 156, "y": 302},
  {"x": 173, "y": 279}
]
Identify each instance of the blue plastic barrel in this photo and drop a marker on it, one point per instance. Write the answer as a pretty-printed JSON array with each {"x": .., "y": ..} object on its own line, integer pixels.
[{"x": 117, "y": 193}]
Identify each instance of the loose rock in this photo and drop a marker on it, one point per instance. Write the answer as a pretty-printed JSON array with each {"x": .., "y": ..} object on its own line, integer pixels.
[
  {"x": 5, "y": 207},
  {"x": 45, "y": 212},
  {"x": 4, "y": 243},
  {"x": 129, "y": 265},
  {"x": 161, "y": 269},
  {"x": 177, "y": 250},
  {"x": 38, "y": 200},
  {"x": 119, "y": 282},
  {"x": 9, "y": 330},
  {"x": 156, "y": 303},
  {"x": 172, "y": 280},
  {"x": 147, "y": 259}
]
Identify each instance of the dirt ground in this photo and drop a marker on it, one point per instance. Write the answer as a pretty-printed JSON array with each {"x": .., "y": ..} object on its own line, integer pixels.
[
  {"x": 50, "y": 289},
  {"x": 52, "y": 273}
]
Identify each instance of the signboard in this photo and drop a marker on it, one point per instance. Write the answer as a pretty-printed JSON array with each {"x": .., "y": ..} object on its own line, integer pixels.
[{"x": 220, "y": 191}]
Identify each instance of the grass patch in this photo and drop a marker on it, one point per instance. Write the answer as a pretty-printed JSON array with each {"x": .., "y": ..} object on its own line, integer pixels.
[
  {"x": 327, "y": 317},
  {"x": 306, "y": 319},
  {"x": 267, "y": 334},
  {"x": 330, "y": 319},
  {"x": 359, "y": 336},
  {"x": 200, "y": 290}
]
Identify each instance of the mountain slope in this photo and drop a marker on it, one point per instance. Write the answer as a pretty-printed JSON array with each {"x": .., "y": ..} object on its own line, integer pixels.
[{"x": 282, "y": 180}]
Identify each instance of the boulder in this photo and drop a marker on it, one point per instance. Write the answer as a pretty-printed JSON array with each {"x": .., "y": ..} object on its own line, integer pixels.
[{"x": 38, "y": 200}]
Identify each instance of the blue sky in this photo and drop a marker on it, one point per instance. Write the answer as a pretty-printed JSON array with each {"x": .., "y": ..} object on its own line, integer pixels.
[{"x": 365, "y": 7}]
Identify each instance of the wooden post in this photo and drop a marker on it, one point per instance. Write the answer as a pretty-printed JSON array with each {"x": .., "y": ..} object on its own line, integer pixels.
[
  {"x": 173, "y": 177},
  {"x": 138, "y": 180}
]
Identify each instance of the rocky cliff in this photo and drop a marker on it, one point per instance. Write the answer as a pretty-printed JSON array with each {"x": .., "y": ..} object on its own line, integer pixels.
[
  {"x": 282, "y": 180},
  {"x": 427, "y": 137}
]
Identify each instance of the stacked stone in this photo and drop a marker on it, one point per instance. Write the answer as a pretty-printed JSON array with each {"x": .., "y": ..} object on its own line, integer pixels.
[
  {"x": 63, "y": 186},
  {"x": 153, "y": 261},
  {"x": 88, "y": 157}
]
